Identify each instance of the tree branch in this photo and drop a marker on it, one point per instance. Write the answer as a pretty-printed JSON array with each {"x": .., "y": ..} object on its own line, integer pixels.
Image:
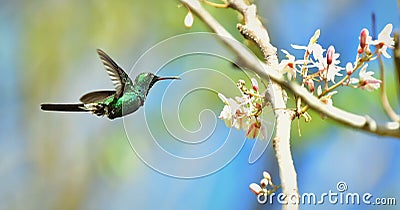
[
  {"x": 255, "y": 31},
  {"x": 351, "y": 120}
]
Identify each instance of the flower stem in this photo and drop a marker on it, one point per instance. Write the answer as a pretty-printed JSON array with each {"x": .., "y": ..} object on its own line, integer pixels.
[{"x": 384, "y": 99}]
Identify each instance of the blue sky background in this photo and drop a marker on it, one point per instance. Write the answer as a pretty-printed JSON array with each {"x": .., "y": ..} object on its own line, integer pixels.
[{"x": 78, "y": 161}]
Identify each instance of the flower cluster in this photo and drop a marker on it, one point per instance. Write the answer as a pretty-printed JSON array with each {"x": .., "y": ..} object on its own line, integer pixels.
[
  {"x": 321, "y": 67},
  {"x": 383, "y": 42},
  {"x": 266, "y": 187},
  {"x": 244, "y": 112}
]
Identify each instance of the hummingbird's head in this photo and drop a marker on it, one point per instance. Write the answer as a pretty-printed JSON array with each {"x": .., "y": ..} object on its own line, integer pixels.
[{"x": 146, "y": 80}]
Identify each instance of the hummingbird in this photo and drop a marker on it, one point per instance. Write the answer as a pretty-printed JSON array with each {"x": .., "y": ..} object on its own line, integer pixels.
[{"x": 127, "y": 97}]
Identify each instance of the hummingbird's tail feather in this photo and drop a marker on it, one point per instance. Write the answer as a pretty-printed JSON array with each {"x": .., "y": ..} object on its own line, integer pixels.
[{"x": 64, "y": 107}]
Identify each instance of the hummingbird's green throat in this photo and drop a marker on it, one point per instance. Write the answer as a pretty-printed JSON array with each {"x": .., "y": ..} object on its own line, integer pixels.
[{"x": 127, "y": 97}]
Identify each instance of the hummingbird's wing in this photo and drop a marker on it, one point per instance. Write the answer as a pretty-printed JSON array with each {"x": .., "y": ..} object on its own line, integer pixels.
[
  {"x": 116, "y": 73},
  {"x": 96, "y": 96}
]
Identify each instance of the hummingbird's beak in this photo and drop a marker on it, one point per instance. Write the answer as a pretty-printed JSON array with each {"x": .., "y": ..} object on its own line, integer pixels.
[{"x": 164, "y": 78}]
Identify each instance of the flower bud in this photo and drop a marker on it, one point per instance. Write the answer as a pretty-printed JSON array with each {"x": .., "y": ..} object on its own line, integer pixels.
[
  {"x": 264, "y": 183},
  {"x": 188, "y": 20},
  {"x": 310, "y": 85},
  {"x": 255, "y": 84},
  {"x": 255, "y": 188},
  {"x": 329, "y": 55},
  {"x": 363, "y": 39},
  {"x": 315, "y": 37},
  {"x": 349, "y": 68},
  {"x": 266, "y": 175}
]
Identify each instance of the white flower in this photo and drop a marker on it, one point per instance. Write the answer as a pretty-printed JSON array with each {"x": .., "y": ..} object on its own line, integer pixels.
[
  {"x": 327, "y": 99},
  {"x": 333, "y": 71},
  {"x": 384, "y": 40},
  {"x": 328, "y": 71},
  {"x": 315, "y": 49},
  {"x": 312, "y": 44},
  {"x": 289, "y": 65},
  {"x": 235, "y": 112},
  {"x": 312, "y": 48},
  {"x": 230, "y": 112},
  {"x": 226, "y": 115},
  {"x": 366, "y": 80},
  {"x": 317, "y": 52}
]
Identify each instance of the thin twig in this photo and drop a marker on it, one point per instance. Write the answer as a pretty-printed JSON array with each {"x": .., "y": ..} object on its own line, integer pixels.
[
  {"x": 216, "y": 5},
  {"x": 384, "y": 99}
]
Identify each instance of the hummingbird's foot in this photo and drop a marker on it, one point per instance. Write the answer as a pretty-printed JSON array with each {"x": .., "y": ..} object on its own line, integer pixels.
[{"x": 98, "y": 109}]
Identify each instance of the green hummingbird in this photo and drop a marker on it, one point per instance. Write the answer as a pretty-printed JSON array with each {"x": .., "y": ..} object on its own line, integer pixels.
[{"x": 127, "y": 97}]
